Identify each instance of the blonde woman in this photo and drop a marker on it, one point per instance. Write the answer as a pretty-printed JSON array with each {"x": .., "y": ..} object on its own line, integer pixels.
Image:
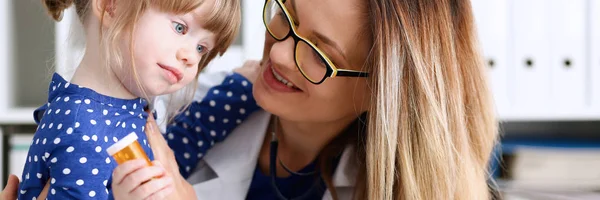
[{"x": 376, "y": 99}]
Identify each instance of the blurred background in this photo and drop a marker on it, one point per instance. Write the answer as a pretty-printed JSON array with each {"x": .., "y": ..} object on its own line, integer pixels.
[{"x": 542, "y": 57}]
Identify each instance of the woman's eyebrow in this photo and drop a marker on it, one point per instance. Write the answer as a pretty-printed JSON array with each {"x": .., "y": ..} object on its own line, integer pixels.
[
  {"x": 293, "y": 4},
  {"x": 320, "y": 36},
  {"x": 331, "y": 43}
]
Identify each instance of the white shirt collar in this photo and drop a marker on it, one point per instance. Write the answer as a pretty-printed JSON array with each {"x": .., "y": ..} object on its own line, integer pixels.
[{"x": 236, "y": 157}]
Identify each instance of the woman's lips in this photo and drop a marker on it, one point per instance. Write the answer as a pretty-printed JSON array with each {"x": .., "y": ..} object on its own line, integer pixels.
[{"x": 275, "y": 84}]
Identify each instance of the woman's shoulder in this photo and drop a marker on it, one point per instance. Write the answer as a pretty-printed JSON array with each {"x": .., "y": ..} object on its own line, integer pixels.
[{"x": 245, "y": 138}]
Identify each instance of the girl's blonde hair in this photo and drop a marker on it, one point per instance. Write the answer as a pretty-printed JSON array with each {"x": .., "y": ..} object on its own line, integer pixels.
[
  {"x": 223, "y": 20},
  {"x": 431, "y": 126}
]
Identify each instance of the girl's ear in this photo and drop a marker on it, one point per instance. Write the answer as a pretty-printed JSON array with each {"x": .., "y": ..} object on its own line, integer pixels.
[{"x": 104, "y": 10}]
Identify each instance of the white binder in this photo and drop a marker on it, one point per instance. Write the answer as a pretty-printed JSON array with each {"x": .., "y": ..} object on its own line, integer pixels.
[
  {"x": 567, "y": 55},
  {"x": 594, "y": 54},
  {"x": 491, "y": 18},
  {"x": 531, "y": 51}
]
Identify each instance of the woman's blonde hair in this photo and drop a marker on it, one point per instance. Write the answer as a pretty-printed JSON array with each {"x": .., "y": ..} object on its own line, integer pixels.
[
  {"x": 432, "y": 125},
  {"x": 223, "y": 20}
]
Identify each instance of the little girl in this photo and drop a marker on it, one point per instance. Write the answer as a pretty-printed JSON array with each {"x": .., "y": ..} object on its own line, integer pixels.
[{"x": 135, "y": 50}]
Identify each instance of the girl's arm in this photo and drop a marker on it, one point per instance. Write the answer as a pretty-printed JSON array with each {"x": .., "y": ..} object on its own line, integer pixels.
[{"x": 211, "y": 120}]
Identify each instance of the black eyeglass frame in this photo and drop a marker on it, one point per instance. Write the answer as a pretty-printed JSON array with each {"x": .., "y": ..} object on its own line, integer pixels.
[{"x": 332, "y": 70}]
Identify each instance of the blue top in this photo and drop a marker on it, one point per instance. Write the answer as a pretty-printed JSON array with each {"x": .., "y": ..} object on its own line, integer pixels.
[
  {"x": 79, "y": 124},
  {"x": 206, "y": 122},
  {"x": 69, "y": 146},
  {"x": 291, "y": 187}
]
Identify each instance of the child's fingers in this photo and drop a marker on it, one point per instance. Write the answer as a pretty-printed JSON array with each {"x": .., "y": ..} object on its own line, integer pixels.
[
  {"x": 163, "y": 193},
  {"x": 157, "y": 163},
  {"x": 122, "y": 170},
  {"x": 135, "y": 179},
  {"x": 155, "y": 188}
]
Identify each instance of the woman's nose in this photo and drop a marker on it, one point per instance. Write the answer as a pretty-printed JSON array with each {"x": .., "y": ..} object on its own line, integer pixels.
[{"x": 282, "y": 54}]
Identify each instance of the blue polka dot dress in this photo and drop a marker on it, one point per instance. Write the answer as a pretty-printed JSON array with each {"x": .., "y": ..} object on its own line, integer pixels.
[
  {"x": 210, "y": 121},
  {"x": 69, "y": 146},
  {"x": 76, "y": 127}
]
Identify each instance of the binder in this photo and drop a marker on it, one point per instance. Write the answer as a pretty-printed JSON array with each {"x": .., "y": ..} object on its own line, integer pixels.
[
  {"x": 491, "y": 18},
  {"x": 594, "y": 54},
  {"x": 567, "y": 55},
  {"x": 555, "y": 165},
  {"x": 530, "y": 51},
  {"x": 551, "y": 164}
]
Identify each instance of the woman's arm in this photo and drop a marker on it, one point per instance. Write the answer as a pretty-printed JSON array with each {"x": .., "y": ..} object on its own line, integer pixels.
[
  {"x": 164, "y": 154},
  {"x": 10, "y": 191}
]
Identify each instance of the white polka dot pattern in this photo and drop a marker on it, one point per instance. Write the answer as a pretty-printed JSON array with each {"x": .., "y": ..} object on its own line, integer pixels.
[
  {"x": 209, "y": 120},
  {"x": 69, "y": 146}
]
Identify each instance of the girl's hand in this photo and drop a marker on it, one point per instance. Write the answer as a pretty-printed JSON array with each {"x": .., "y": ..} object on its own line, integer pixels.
[{"x": 134, "y": 180}]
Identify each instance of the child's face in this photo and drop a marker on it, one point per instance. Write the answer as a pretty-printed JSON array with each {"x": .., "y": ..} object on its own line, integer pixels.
[{"x": 167, "y": 49}]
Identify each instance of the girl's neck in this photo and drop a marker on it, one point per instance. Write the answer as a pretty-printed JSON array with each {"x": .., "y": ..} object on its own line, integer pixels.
[{"x": 95, "y": 73}]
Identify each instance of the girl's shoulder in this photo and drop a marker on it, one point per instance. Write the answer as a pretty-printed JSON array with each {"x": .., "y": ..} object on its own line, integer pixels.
[
  {"x": 83, "y": 121},
  {"x": 73, "y": 113}
]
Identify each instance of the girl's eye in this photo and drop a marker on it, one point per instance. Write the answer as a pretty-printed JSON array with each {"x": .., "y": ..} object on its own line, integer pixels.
[
  {"x": 201, "y": 49},
  {"x": 179, "y": 28}
]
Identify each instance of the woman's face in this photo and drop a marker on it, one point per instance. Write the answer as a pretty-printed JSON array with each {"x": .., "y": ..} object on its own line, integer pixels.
[{"x": 336, "y": 27}]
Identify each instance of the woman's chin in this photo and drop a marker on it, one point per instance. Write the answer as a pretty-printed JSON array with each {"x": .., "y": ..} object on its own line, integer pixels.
[{"x": 260, "y": 95}]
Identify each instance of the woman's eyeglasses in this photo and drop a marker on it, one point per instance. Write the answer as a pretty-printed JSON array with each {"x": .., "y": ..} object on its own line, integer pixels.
[{"x": 314, "y": 65}]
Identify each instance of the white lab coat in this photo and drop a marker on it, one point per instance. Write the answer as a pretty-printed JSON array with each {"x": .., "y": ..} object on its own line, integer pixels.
[{"x": 226, "y": 170}]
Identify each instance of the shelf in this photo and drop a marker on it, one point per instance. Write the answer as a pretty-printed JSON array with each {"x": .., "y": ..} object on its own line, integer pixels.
[{"x": 549, "y": 115}]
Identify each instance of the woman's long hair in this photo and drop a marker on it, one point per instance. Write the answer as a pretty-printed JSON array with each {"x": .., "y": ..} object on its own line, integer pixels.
[{"x": 431, "y": 126}]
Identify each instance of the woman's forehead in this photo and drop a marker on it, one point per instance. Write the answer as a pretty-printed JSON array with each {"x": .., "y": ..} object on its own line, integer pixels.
[{"x": 341, "y": 21}]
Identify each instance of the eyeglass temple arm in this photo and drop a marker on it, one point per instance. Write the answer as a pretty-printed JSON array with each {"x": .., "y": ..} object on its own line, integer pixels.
[{"x": 351, "y": 73}]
